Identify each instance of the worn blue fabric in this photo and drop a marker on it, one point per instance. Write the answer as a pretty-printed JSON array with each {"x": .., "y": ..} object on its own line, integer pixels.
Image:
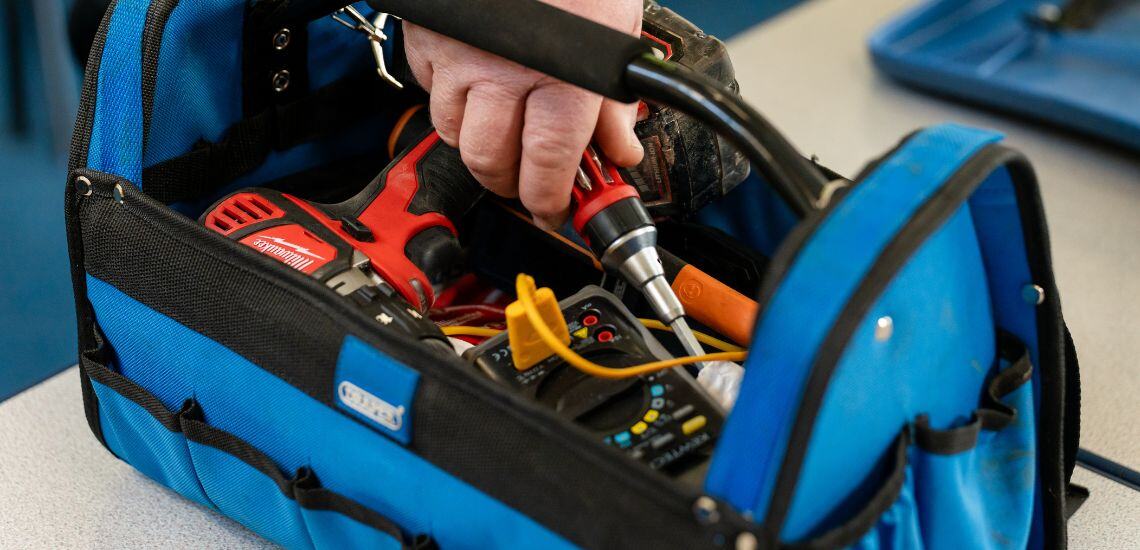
[
  {"x": 222, "y": 482},
  {"x": 198, "y": 93},
  {"x": 294, "y": 430},
  {"x": 819, "y": 283},
  {"x": 116, "y": 135},
  {"x": 966, "y": 279}
]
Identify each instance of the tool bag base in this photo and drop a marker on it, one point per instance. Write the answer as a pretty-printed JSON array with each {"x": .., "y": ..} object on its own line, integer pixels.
[{"x": 911, "y": 381}]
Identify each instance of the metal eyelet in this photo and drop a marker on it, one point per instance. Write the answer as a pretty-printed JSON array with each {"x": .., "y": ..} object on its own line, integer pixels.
[
  {"x": 1033, "y": 294},
  {"x": 281, "y": 81},
  {"x": 884, "y": 328},
  {"x": 83, "y": 186},
  {"x": 281, "y": 39},
  {"x": 747, "y": 541},
  {"x": 705, "y": 510},
  {"x": 117, "y": 193}
]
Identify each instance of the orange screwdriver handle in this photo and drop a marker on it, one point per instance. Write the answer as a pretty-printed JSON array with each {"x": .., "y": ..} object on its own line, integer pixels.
[{"x": 716, "y": 304}]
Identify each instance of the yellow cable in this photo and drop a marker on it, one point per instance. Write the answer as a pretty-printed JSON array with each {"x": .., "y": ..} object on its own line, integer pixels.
[
  {"x": 470, "y": 331},
  {"x": 706, "y": 339},
  {"x": 525, "y": 287},
  {"x": 654, "y": 324}
]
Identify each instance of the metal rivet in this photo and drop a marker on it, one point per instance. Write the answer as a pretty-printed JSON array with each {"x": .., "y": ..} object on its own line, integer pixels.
[
  {"x": 1033, "y": 294},
  {"x": 117, "y": 193},
  {"x": 747, "y": 541},
  {"x": 704, "y": 508},
  {"x": 281, "y": 81},
  {"x": 281, "y": 39},
  {"x": 884, "y": 328},
  {"x": 1049, "y": 13},
  {"x": 83, "y": 186}
]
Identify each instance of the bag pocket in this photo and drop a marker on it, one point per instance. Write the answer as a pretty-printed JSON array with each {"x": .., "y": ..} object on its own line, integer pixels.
[
  {"x": 889, "y": 519},
  {"x": 975, "y": 483},
  {"x": 969, "y": 486},
  {"x": 221, "y": 471}
]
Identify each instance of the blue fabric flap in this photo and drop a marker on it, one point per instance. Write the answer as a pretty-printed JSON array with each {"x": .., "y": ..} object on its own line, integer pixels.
[{"x": 376, "y": 389}]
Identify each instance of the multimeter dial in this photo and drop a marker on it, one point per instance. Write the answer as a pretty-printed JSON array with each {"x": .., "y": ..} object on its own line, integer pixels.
[{"x": 658, "y": 418}]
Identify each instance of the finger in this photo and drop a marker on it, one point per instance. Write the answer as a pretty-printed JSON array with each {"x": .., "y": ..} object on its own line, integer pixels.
[
  {"x": 615, "y": 133},
  {"x": 414, "y": 50},
  {"x": 490, "y": 141},
  {"x": 559, "y": 121},
  {"x": 448, "y": 99}
]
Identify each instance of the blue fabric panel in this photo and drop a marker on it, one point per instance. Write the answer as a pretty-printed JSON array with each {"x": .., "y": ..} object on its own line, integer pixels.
[
  {"x": 116, "y": 135},
  {"x": 336, "y": 531},
  {"x": 376, "y": 389},
  {"x": 816, "y": 287},
  {"x": 336, "y": 51},
  {"x": 198, "y": 92},
  {"x": 1002, "y": 239},
  {"x": 143, "y": 442},
  {"x": 174, "y": 362},
  {"x": 981, "y": 498},
  {"x": 753, "y": 213},
  {"x": 898, "y": 527},
  {"x": 935, "y": 363},
  {"x": 250, "y": 497}
]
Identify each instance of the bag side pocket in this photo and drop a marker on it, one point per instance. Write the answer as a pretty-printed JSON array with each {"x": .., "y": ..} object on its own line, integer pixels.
[{"x": 975, "y": 482}]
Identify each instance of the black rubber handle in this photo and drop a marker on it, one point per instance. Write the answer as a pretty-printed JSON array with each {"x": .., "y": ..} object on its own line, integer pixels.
[{"x": 533, "y": 34}]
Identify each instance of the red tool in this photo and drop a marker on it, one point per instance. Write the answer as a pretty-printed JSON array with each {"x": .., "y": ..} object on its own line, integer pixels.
[{"x": 384, "y": 248}]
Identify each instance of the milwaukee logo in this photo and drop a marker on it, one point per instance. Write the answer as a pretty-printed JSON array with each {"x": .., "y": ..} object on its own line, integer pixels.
[
  {"x": 376, "y": 409},
  {"x": 292, "y": 255}
]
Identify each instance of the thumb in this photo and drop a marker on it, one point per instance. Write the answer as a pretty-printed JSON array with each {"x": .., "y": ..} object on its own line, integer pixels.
[{"x": 615, "y": 134}]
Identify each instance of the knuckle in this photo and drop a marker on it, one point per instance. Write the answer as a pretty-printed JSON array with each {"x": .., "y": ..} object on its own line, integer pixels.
[
  {"x": 484, "y": 162},
  {"x": 548, "y": 149}
]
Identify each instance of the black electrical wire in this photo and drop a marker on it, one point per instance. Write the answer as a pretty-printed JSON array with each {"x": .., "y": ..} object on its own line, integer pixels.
[{"x": 794, "y": 177}]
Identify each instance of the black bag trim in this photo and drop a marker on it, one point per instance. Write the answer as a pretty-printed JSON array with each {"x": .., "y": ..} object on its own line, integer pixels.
[
  {"x": 157, "y": 15},
  {"x": 304, "y": 487},
  {"x": 1075, "y": 497},
  {"x": 863, "y": 521},
  {"x": 993, "y": 414},
  {"x": 1059, "y": 397},
  {"x": 506, "y": 446},
  {"x": 77, "y": 157},
  {"x": 248, "y": 142},
  {"x": 926, "y": 220}
]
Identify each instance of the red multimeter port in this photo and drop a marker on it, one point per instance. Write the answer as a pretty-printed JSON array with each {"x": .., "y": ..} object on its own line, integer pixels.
[
  {"x": 605, "y": 334},
  {"x": 589, "y": 319}
]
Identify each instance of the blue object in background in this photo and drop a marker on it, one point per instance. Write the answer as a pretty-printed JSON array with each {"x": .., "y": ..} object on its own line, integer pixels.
[
  {"x": 1022, "y": 56},
  {"x": 727, "y": 18},
  {"x": 38, "y": 92}
]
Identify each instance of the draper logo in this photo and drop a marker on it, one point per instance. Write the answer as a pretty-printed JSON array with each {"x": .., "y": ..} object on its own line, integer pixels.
[{"x": 383, "y": 412}]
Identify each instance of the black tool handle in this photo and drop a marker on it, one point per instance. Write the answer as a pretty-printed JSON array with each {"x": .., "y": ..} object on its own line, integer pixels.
[{"x": 533, "y": 34}]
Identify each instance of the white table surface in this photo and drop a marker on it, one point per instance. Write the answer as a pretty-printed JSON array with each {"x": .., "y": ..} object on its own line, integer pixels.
[{"x": 808, "y": 70}]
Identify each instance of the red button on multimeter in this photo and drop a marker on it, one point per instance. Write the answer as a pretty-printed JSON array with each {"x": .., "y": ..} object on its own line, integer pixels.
[{"x": 605, "y": 334}]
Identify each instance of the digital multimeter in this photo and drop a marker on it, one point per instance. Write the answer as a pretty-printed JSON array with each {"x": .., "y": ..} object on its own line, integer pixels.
[{"x": 661, "y": 418}]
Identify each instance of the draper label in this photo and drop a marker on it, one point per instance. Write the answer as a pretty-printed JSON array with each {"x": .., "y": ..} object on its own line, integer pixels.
[{"x": 376, "y": 389}]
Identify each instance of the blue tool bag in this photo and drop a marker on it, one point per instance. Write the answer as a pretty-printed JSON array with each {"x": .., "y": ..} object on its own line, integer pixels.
[{"x": 911, "y": 381}]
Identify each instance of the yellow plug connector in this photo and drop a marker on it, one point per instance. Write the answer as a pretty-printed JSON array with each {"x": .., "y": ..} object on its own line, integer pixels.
[{"x": 527, "y": 346}]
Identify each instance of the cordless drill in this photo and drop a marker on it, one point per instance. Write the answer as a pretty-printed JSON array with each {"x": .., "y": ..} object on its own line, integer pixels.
[{"x": 383, "y": 249}]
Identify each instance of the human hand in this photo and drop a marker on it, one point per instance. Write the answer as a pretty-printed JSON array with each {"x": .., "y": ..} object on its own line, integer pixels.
[{"x": 522, "y": 133}]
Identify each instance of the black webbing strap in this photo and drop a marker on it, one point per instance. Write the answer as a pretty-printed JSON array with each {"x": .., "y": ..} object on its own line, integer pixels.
[{"x": 247, "y": 143}]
